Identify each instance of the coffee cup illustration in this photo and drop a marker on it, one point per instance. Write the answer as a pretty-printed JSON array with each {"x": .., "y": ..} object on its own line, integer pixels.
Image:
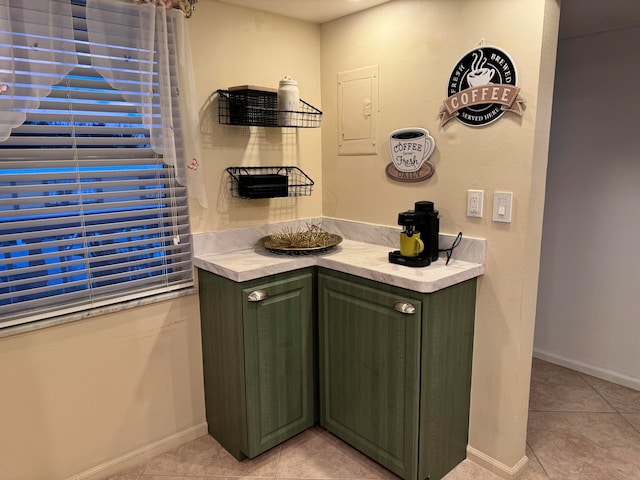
[
  {"x": 410, "y": 148},
  {"x": 480, "y": 76}
]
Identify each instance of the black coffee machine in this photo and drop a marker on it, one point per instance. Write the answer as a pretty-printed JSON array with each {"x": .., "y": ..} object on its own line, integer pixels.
[{"x": 425, "y": 220}]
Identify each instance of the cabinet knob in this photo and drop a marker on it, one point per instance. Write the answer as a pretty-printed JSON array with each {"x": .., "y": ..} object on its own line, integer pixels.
[
  {"x": 257, "y": 296},
  {"x": 404, "y": 307}
]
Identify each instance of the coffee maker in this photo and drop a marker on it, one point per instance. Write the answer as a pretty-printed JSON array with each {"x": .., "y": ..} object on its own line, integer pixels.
[{"x": 424, "y": 221}]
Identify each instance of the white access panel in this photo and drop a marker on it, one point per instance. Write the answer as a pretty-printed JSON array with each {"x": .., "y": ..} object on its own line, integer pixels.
[{"x": 358, "y": 111}]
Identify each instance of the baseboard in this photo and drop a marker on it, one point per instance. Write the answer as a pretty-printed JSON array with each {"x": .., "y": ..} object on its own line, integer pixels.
[
  {"x": 135, "y": 457},
  {"x": 499, "y": 468},
  {"x": 597, "y": 372}
]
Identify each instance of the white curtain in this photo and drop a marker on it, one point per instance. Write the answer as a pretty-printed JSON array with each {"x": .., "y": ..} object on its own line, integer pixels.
[
  {"x": 190, "y": 115},
  {"x": 125, "y": 39},
  {"x": 36, "y": 52},
  {"x": 129, "y": 45}
]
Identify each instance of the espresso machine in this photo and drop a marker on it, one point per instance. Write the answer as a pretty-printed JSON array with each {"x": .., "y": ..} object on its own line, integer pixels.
[{"x": 419, "y": 236}]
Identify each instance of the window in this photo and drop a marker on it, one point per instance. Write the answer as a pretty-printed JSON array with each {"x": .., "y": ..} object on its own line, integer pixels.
[{"x": 90, "y": 213}]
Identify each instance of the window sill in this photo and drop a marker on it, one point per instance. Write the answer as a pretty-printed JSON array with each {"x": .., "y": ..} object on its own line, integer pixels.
[{"x": 94, "y": 312}]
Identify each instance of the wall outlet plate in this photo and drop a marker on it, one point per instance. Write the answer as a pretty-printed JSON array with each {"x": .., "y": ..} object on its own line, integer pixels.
[{"x": 475, "y": 203}]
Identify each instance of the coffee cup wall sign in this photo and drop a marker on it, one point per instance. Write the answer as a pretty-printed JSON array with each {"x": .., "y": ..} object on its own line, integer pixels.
[
  {"x": 410, "y": 151},
  {"x": 482, "y": 88}
]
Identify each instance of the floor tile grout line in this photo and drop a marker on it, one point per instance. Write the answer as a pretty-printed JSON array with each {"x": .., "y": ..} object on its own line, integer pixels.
[
  {"x": 582, "y": 376},
  {"x": 637, "y": 429},
  {"x": 615, "y": 412},
  {"x": 573, "y": 411},
  {"x": 275, "y": 475},
  {"x": 539, "y": 461},
  {"x": 618, "y": 411},
  {"x": 619, "y": 414}
]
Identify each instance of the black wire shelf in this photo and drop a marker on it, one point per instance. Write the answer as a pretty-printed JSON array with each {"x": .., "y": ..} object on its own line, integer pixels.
[
  {"x": 260, "y": 108},
  {"x": 268, "y": 182}
]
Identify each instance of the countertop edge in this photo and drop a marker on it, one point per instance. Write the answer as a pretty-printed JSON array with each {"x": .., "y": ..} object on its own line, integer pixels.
[
  {"x": 244, "y": 276},
  {"x": 421, "y": 286},
  {"x": 440, "y": 276}
]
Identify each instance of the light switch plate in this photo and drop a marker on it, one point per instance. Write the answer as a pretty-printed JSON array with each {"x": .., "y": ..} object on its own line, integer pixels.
[
  {"x": 475, "y": 203},
  {"x": 502, "y": 206}
]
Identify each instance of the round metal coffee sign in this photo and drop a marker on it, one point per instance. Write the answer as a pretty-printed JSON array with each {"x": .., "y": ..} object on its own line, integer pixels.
[{"x": 482, "y": 88}]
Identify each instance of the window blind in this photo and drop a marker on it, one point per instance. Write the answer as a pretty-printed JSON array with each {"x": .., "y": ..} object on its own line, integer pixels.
[{"x": 89, "y": 214}]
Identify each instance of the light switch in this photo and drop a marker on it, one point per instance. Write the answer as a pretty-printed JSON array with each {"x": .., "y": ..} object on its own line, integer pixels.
[{"x": 502, "y": 206}]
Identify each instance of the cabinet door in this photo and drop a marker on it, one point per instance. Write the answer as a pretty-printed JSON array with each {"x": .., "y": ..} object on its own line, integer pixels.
[
  {"x": 278, "y": 342},
  {"x": 223, "y": 361},
  {"x": 369, "y": 370}
]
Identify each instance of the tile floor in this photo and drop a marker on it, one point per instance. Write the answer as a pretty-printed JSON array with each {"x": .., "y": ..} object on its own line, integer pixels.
[{"x": 580, "y": 428}]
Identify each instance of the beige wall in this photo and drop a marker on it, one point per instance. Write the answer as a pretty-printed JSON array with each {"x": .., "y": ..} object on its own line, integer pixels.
[
  {"x": 416, "y": 44},
  {"x": 239, "y": 46},
  {"x": 82, "y": 394}
]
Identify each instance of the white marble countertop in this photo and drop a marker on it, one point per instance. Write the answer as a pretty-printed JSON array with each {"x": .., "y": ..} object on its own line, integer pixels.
[
  {"x": 356, "y": 258},
  {"x": 362, "y": 259}
]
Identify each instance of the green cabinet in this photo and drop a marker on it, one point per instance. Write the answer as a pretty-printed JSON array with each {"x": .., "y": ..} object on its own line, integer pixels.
[
  {"x": 393, "y": 366},
  {"x": 395, "y": 371},
  {"x": 258, "y": 359}
]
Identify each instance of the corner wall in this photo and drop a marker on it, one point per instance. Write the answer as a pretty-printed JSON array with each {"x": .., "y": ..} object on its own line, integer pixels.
[
  {"x": 416, "y": 45},
  {"x": 241, "y": 46},
  {"x": 587, "y": 305}
]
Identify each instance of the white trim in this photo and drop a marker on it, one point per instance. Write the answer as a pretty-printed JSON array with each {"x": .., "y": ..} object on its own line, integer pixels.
[
  {"x": 493, "y": 465},
  {"x": 61, "y": 317},
  {"x": 597, "y": 372},
  {"x": 135, "y": 457}
]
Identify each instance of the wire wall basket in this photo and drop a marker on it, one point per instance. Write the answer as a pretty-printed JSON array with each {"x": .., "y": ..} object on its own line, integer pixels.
[
  {"x": 268, "y": 182},
  {"x": 260, "y": 108}
]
